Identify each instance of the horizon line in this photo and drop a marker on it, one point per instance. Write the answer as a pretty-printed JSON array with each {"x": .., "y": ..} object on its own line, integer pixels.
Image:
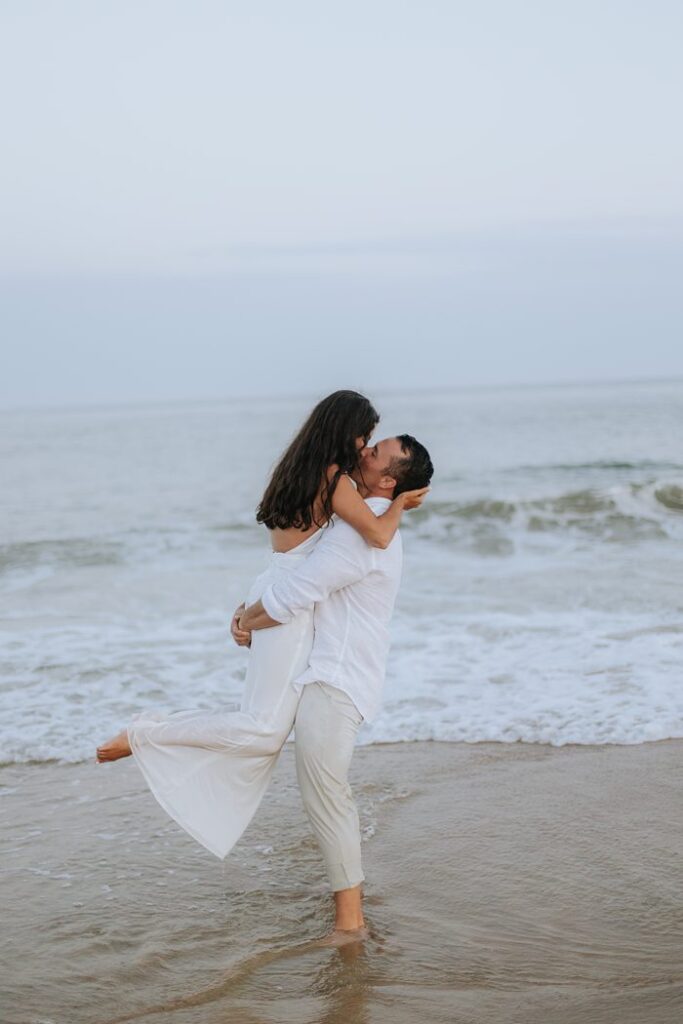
[{"x": 116, "y": 404}]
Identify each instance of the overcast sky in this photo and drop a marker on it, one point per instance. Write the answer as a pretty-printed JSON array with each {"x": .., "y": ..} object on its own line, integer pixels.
[{"x": 206, "y": 198}]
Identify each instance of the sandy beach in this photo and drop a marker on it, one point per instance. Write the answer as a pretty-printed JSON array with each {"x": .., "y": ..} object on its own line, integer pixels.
[{"x": 504, "y": 882}]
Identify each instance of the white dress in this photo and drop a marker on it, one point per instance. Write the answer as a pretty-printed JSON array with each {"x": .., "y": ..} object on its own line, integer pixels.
[{"x": 210, "y": 769}]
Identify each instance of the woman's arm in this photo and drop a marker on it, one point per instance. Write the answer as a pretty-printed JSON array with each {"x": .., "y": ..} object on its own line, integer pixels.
[{"x": 376, "y": 530}]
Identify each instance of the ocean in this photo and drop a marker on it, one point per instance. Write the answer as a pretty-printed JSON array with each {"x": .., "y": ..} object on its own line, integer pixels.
[{"x": 542, "y": 596}]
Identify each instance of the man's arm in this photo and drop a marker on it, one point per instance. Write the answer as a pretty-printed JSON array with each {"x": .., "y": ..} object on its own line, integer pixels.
[
  {"x": 256, "y": 617},
  {"x": 340, "y": 557},
  {"x": 241, "y": 638}
]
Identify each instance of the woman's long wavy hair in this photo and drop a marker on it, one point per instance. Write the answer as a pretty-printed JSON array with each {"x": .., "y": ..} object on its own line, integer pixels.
[{"x": 328, "y": 437}]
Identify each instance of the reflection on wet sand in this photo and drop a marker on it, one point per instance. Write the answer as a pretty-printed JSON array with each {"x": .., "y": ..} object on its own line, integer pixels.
[{"x": 503, "y": 882}]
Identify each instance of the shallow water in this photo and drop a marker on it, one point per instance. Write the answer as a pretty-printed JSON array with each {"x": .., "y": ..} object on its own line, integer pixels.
[
  {"x": 541, "y": 597},
  {"x": 510, "y": 882}
]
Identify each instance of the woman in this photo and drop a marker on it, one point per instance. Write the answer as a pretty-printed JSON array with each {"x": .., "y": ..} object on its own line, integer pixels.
[{"x": 210, "y": 769}]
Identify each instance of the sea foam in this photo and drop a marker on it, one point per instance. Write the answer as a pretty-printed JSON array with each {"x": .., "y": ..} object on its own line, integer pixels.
[{"x": 541, "y": 600}]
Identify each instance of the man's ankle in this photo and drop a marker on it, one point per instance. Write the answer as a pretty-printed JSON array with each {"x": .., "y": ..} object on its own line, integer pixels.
[
  {"x": 348, "y": 924},
  {"x": 348, "y": 909}
]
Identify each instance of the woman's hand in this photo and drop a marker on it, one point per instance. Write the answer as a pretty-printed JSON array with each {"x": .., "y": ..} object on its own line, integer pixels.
[
  {"x": 242, "y": 637},
  {"x": 413, "y": 499}
]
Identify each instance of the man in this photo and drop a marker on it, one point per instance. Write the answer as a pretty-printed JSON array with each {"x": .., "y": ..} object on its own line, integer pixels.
[{"x": 353, "y": 587}]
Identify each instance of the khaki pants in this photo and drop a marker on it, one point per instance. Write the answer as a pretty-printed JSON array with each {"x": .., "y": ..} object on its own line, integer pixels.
[{"x": 326, "y": 724}]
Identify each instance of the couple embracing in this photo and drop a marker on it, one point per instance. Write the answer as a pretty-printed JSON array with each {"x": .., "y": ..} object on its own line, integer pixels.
[{"x": 317, "y": 625}]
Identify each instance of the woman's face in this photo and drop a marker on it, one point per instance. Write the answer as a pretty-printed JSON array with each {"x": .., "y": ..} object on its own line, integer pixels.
[{"x": 361, "y": 443}]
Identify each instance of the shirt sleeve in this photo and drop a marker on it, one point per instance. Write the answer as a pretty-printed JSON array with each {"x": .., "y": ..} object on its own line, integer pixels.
[{"x": 340, "y": 557}]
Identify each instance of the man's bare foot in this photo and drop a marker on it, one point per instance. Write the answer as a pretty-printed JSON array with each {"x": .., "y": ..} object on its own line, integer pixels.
[
  {"x": 115, "y": 748},
  {"x": 342, "y": 936}
]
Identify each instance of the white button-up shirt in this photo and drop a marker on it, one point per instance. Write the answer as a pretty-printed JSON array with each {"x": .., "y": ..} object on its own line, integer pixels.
[{"x": 353, "y": 587}]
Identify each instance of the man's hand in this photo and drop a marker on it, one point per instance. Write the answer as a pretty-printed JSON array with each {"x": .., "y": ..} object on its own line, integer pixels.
[
  {"x": 255, "y": 617},
  {"x": 242, "y": 637}
]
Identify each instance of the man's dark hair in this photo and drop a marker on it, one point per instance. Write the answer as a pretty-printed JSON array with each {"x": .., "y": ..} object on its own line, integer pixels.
[{"x": 413, "y": 469}]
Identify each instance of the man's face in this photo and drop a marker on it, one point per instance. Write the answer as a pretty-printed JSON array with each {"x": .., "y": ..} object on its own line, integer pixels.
[{"x": 375, "y": 460}]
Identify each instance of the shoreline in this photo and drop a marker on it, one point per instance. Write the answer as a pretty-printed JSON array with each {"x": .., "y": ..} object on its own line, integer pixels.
[{"x": 55, "y": 762}]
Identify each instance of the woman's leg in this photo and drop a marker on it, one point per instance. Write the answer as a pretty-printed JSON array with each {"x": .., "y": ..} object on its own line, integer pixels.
[
  {"x": 263, "y": 721},
  {"x": 210, "y": 769}
]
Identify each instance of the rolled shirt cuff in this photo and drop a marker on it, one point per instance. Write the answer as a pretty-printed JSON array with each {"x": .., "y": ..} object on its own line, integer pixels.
[{"x": 275, "y": 608}]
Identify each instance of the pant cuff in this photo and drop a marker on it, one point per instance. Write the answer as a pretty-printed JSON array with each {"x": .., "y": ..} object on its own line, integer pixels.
[{"x": 342, "y": 877}]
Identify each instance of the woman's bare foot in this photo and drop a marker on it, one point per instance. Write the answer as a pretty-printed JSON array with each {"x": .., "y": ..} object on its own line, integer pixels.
[{"x": 115, "y": 748}]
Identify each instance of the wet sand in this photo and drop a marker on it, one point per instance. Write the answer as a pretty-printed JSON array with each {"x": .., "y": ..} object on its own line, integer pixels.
[{"x": 515, "y": 883}]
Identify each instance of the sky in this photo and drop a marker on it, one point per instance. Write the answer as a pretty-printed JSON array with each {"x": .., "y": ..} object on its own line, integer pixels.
[{"x": 207, "y": 199}]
